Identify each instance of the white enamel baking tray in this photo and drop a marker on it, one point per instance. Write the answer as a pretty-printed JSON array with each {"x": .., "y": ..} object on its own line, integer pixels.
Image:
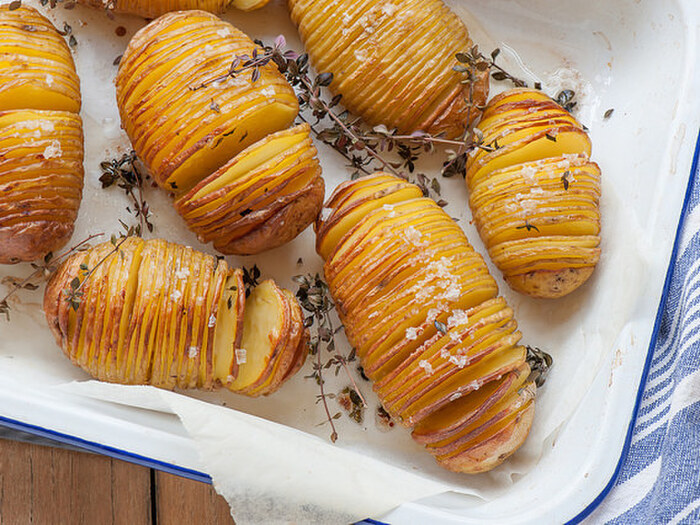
[{"x": 637, "y": 57}]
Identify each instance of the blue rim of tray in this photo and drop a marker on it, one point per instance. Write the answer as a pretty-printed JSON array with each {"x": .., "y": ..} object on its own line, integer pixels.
[{"x": 205, "y": 478}]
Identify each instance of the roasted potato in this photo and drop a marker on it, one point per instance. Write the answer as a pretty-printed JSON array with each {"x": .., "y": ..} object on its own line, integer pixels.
[
  {"x": 166, "y": 315},
  {"x": 393, "y": 61},
  {"x": 424, "y": 314},
  {"x": 41, "y": 137},
  {"x": 242, "y": 180},
  {"x": 156, "y": 8},
  {"x": 262, "y": 198},
  {"x": 534, "y": 194}
]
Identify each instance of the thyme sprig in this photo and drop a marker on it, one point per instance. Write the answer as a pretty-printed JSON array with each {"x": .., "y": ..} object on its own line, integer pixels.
[
  {"x": 73, "y": 293},
  {"x": 42, "y": 270},
  {"x": 314, "y": 296},
  {"x": 127, "y": 174}
]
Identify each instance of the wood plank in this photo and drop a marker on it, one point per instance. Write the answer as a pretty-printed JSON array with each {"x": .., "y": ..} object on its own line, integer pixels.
[
  {"x": 180, "y": 500},
  {"x": 52, "y": 485}
]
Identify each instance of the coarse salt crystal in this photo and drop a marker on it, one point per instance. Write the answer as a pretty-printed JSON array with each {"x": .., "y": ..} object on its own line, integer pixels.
[
  {"x": 241, "y": 355},
  {"x": 212, "y": 321},
  {"x": 570, "y": 156},
  {"x": 176, "y": 295},
  {"x": 267, "y": 92},
  {"x": 53, "y": 150},
  {"x": 536, "y": 190},
  {"x": 346, "y": 19},
  {"x": 453, "y": 292},
  {"x": 455, "y": 396},
  {"x": 433, "y": 314},
  {"x": 193, "y": 352},
  {"x": 411, "y": 333},
  {"x": 361, "y": 54},
  {"x": 222, "y": 33},
  {"x": 389, "y": 9},
  {"x": 412, "y": 235},
  {"x": 182, "y": 273},
  {"x": 528, "y": 173},
  {"x": 455, "y": 336},
  {"x": 49, "y": 79},
  {"x": 458, "y": 318},
  {"x": 426, "y": 366}
]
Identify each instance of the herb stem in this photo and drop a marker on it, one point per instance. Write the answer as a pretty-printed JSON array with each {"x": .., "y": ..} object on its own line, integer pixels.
[
  {"x": 319, "y": 364},
  {"x": 339, "y": 358}
]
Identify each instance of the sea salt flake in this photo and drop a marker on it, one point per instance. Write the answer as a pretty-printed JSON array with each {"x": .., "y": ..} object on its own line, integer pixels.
[
  {"x": 426, "y": 366},
  {"x": 182, "y": 273},
  {"x": 455, "y": 396},
  {"x": 453, "y": 292},
  {"x": 433, "y": 314},
  {"x": 411, "y": 333},
  {"x": 361, "y": 55},
  {"x": 176, "y": 295},
  {"x": 389, "y": 9},
  {"x": 193, "y": 352},
  {"x": 212, "y": 321},
  {"x": 49, "y": 80},
  {"x": 528, "y": 173},
  {"x": 346, "y": 19},
  {"x": 268, "y": 92},
  {"x": 458, "y": 318},
  {"x": 53, "y": 150},
  {"x": 222, "y": 33},
  {"x": 241, "y": 356}
]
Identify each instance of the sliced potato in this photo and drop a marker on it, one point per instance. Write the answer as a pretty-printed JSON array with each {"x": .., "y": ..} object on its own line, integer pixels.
[
  {"x": 162, "y": 314},
  {"x": 423, "y": 313},
  {"x": 155, "y": 8},
  {"x": 393, "y": 61},
  {"x": 535, "y": 197}
]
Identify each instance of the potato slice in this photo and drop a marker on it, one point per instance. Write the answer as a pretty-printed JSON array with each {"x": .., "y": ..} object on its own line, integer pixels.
[
  {"x": 365, "y": 44},
  {"x": 229, "y": 329},
  {"x": 156, "y": 8},
  {"x": 266, "y": 325}
]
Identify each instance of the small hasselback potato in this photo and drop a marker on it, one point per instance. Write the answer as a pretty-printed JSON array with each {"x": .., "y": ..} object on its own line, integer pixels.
[
  {"x": 392, "y": 61},
  {"x": 242, "y": 180},
  {"x": 420, "y": 307},
  {"x": 36, "y": 66},
  {"x": 263, "y": 198},
  {"x": 183, "y": 132},
  {"x": 163, "y": 314},
  {"x": 41, "y": 181},
  {"x": 534, "y": 194},
  {"x": 156, "y": 8}
]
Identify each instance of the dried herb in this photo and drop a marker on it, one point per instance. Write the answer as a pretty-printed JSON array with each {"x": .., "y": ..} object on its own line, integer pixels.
[
  {"x": 127, "y": 175},
  {"x": 527, "y": 226},
  {"x": 609, "y": 113},
  {"x": 250, "y": 278},
  {"x": 383, "y": 418},
  {"x": 314, "y": 296},
  {"x": 565, "y": 98},
  {"x": 540, "y": 362},
  {"x": 14, "y": 5},
  {"x": 566, "y": 179},
  {"x": 73, "y": 293},
  {"x": 349, "y": 399},
  {"x": 42, "y": 270}
]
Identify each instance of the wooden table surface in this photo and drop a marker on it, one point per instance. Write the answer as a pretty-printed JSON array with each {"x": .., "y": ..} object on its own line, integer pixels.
[{"x": 47, "y": 485}]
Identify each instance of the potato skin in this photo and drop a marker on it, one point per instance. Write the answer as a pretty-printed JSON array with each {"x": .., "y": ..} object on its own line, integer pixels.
[
  {"x": 392, "y": 62},
  {"x": 41, "y": 137},
  {"x": 150, "y": 314},
  {"x": 423, "y": 314}
]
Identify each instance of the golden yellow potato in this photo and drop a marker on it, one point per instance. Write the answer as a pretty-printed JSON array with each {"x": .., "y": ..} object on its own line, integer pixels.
[
  {"x": 156, "y": 8},
  {"x": 535, "y": 194},
  {"x": 424, "y": 315},
  {"x": 41, "y": 137},
  {"x": 182, "y": 133},
  {"x": 392, "y": 61},
  {"x": 41, "y": 181},
  {"x": 166, "y": 315},
  {"x": 242, "y": 179},
  {"x": 262, "y": 198},
  {"x": 36, "y": 66}
]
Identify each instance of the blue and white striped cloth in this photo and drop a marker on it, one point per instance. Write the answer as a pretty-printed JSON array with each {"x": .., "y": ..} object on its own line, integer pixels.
[{"x": 660, "y": 479}]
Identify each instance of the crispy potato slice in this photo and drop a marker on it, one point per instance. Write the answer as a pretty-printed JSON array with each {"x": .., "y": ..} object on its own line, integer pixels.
[{"x": 229, "y": 329}]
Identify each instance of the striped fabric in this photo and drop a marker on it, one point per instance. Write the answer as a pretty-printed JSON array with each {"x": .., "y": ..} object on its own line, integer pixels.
[{"x": 660, "y": 479}]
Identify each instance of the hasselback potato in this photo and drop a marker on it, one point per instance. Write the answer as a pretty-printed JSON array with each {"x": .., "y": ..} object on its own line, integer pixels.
[
  {"x": 162, "y": 314},
  {"x": 393, "y": 61},
  {"x": 41, "y": 137},
  {"x": 420, "y": 307},
  {"x": 209, "y": 142},
  {"x": 155, "y": 8},
  {"x": 534, "y": 194}
]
